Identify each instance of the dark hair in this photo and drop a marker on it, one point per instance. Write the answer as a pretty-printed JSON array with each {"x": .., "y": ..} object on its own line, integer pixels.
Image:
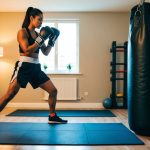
[{"x": 30, "y": 12}]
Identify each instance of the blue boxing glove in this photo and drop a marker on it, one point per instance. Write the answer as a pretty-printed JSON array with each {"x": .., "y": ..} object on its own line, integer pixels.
[
  {"x": 45, "y": 32},
  {"x": 53, "y": 37}
]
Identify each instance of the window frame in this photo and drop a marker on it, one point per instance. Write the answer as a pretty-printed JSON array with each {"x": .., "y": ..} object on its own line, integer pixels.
[{"x": 56, "y": 22}]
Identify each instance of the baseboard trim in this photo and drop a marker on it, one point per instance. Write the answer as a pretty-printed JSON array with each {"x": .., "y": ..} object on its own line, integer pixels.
[{"x": 58, "y": 105}]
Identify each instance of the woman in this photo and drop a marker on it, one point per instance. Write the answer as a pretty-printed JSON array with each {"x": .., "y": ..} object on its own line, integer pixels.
[{"x": 27, "y": 69}]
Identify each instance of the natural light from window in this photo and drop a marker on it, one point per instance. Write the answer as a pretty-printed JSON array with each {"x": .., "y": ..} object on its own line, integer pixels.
[{"x": 64, "y": 56}]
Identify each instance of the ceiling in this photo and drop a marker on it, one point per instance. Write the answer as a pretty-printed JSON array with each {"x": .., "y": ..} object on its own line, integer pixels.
[{"x": 69, "y": 5}]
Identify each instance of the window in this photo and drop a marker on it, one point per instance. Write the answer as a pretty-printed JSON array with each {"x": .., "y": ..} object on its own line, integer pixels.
[{"x": 64, "y": 56}]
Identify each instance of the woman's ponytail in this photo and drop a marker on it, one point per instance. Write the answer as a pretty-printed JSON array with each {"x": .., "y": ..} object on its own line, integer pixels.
[{"x": 30, "y": 12}]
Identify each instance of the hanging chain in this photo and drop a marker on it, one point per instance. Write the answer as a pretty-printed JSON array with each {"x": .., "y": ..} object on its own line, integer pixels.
[
  {"x": 138, "y": 11},
  {"x": 141, "y": 3}
]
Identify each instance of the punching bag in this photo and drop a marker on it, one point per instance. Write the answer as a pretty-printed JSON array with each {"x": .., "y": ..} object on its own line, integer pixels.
[{"x": 138, "y": 78}]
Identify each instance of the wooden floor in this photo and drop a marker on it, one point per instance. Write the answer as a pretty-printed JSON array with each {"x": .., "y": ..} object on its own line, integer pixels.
[{"x": 121, "y": 117}]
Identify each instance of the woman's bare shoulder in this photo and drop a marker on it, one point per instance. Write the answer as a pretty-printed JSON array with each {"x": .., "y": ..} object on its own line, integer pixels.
[{"x": 22, "y": 32}]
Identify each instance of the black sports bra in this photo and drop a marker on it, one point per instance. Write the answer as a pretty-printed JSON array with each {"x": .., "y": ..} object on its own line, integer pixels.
[{"x": 30, "y": 40}]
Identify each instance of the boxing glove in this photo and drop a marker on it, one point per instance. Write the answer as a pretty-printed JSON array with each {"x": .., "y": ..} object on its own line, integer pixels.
[
  {"x": 53, "y": 37},
  {"x": 45, "y": 32}
]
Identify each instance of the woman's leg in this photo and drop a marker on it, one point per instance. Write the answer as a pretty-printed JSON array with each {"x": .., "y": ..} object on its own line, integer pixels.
[
  {"x": 51, "y": 89},
  {"x": 11, "y": 92}
]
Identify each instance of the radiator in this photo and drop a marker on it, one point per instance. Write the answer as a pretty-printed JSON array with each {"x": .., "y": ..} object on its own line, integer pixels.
[{"x": 67, "y": 88}]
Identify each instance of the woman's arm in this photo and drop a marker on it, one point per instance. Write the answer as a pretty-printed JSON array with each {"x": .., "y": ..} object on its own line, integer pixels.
[
  {"x": 46, "y": 49},
  {"x": 23, "y": 42}
]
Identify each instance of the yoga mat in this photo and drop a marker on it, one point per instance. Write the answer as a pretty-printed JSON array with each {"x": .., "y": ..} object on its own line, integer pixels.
[
  {"x": 63, "y": 113},
  {"x": 67, "y": 134}
]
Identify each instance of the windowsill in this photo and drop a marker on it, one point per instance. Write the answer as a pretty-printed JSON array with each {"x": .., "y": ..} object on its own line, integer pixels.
[{"x": 63, "y": 73}]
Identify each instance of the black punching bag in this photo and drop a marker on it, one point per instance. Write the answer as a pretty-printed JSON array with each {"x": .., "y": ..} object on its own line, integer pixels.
[{"x": 139, "y": 70}]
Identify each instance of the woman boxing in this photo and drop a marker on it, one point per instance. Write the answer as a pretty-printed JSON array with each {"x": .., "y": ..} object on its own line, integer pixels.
[{"x": 27, "y": 68}]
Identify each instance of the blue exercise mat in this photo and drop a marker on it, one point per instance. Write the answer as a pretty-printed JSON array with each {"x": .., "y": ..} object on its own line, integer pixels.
[
  {"x": 63, "y": 113},
  {"x": 67, "y": 134}
]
